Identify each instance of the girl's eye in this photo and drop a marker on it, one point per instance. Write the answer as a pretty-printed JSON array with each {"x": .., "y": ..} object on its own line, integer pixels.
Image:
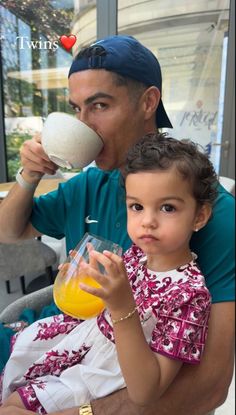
[
  {"x": 136, "y": 207},
  {"x": 168, "y": 208}
]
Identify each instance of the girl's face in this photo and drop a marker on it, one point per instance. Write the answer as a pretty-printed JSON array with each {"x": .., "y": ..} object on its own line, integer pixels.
[{"x": 162, "y": 214}]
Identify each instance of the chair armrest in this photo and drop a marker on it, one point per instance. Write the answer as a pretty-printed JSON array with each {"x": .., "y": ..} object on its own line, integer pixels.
[{"x": 36, "y": 301}]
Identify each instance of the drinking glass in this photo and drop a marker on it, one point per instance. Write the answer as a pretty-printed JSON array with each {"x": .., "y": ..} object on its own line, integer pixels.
[{"x": 68, "y": 296}]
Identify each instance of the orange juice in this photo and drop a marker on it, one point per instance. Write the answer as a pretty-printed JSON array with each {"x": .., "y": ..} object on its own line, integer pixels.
[{"x": 75, "y": 302}]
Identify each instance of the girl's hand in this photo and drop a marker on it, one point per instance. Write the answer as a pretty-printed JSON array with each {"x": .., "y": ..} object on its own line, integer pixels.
[
  {"x": 75, "y": 261},
  {"x": 114, "y": 289}
]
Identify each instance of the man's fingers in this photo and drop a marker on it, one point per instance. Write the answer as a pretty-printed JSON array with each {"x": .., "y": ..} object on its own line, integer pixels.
[
  {"x": 37, "y": 137},
  {"x": 34, "y": 159}
]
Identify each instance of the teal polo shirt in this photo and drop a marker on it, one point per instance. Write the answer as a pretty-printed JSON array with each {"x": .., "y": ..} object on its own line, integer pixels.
[{"x": 94, "y": 201}]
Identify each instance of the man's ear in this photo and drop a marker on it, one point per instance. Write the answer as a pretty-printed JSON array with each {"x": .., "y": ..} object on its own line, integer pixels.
[
  {"x": 150, "y": 100},
  {"x": 202, "y": 217}
]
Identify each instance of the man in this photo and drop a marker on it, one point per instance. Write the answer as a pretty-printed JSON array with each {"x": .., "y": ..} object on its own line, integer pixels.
[{"x": 115, "y": 88}]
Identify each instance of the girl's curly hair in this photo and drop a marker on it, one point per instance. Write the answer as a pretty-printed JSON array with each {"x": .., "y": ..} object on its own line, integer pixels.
[{"x": 159, "y": 151}]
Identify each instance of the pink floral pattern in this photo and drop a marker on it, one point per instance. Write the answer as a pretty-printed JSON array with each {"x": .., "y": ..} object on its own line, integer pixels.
[
  {"x": 61, "y": 324},
  {"x": 173, "y": 307},
  {"x": 55, "y": 363},
  {"x": 180, "y": 302},
  {"x": 30, "y": 399},
  {"x": 105, "y": 326}
]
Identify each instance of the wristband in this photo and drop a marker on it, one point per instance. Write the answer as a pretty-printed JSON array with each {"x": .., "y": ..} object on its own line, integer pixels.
[
  {"x": 85, "y": 410},
  {"x": 23, "y": 183},
  {"x": 130, "y": 314}
]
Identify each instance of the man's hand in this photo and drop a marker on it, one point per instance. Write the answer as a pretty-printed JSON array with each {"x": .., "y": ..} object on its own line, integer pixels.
[
  {"x": 14, "y": 410},
  {"x": 34, "y": 160},
  {"x": 118, "y": 403},
  {"x": 14, "y": 406}
]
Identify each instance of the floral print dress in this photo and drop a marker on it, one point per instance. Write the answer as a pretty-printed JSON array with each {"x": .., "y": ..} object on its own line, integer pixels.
[{"x": 60, "y": 362}]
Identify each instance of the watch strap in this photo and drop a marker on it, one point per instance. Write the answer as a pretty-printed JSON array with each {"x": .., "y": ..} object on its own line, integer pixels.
[
  {"x": 85, "y": 410},
  {"x": 23, "y": 183}
]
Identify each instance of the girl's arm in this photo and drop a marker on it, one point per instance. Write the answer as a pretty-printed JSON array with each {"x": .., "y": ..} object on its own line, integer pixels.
[{"x": 147, "y": 375}]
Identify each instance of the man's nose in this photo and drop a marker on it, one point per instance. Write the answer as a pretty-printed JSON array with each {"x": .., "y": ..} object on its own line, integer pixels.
[{"x": 83, "y": 116}]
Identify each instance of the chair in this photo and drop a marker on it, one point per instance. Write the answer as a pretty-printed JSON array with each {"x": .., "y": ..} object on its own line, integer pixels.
[
  {"x": 36, "y": 301},
  {"x": 24, "y": 257}
]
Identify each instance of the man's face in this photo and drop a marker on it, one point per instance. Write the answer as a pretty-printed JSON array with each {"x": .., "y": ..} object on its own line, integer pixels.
[{"x": 110, "y": 111}]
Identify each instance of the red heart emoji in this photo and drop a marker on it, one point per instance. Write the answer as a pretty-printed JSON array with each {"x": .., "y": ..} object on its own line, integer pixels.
[{"x": 68, "y": 41}]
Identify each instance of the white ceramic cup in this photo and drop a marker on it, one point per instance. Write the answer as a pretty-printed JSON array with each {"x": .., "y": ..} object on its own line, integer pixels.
[{"x": 69, "y": 142}]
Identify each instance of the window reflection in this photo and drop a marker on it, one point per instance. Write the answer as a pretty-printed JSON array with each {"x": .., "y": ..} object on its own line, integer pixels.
[
  {"x": 187, "y": 38},
  {"x": 35, "y": 64}
]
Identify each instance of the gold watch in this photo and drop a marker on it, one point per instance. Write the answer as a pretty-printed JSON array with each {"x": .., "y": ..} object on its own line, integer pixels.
[{"x": 85, "y": 410}]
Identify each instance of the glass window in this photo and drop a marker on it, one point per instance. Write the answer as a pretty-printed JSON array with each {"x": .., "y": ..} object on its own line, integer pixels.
[
  {"x": 36, "y": 53},
  {"x": 190, "y": 42}
]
